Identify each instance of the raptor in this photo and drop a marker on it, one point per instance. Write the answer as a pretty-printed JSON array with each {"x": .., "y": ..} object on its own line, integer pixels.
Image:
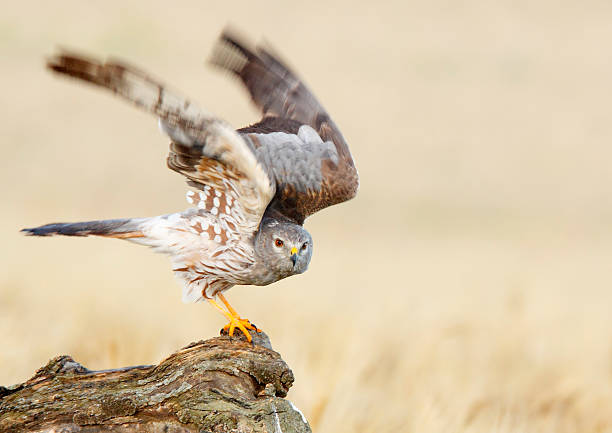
[{"x": 252, "y": 187}]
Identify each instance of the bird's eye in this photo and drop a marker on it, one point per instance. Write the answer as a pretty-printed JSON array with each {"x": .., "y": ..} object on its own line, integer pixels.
[
  {"x": 279, "y": 243},
  {"x": 305, "y": 245}
]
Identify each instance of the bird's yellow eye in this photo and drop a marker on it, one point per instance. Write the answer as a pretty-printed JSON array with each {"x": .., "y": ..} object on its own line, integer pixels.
[
  {"x": 305, "y": 245},
  {"x": 279, "y": 243}
]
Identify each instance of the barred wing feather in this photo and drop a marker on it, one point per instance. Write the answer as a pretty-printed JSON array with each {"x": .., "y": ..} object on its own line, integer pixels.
[
  {"x": 204, "y": 149},
  {"x": 295, "y": 128}
]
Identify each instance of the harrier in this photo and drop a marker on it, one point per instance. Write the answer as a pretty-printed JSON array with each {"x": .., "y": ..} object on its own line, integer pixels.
[{"x": 253, "y": 187}]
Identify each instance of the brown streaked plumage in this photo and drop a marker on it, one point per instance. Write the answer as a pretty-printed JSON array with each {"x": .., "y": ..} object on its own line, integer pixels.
[
  {"x": 287, "y": 104},
  {"x": 255, "y": 186}
]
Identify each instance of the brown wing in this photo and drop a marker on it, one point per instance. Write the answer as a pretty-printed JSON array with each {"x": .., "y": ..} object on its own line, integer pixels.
[
  {"x": 288, "y": 106},
  {"x": 210, "y": 153}
]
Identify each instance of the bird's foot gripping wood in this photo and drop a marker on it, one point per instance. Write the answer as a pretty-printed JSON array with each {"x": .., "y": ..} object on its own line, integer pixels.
[
  {"x": 235, "y": 321},
  {"x": 238, "y": 321},
  {"x": 208, "y": 386}
]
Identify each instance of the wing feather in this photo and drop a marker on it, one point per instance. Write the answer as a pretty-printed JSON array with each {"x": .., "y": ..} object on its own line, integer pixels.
[
  {"x": 205, "y": 149},
  {"x": 287, "y": 106}
]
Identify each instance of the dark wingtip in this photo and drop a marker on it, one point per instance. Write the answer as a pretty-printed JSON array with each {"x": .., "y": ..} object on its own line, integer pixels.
[
  {"x": 233, "y": 37},
  {"x": 72, "y": 64},
  {"x": 59, "y": 61},
  {"x": 230, "y": 52},
  {"x": 54, "y": 63}
]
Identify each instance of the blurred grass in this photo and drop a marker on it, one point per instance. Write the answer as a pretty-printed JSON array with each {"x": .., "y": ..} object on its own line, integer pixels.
[{"x": 467, "y": 288}]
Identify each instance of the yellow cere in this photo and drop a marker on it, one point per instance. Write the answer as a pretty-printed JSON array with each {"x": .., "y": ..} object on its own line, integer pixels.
[{"x": 293, "y": 250}]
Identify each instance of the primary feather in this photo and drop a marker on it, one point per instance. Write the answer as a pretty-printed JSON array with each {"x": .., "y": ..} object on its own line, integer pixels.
[
  {"x": 255, "y": 186},
  {"x": 289, "y": 107}
]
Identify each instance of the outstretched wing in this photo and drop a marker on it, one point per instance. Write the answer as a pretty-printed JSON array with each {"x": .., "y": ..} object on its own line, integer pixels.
[
  {"x": 298, "y": 143},
  {"x": 210, "y": 153}
]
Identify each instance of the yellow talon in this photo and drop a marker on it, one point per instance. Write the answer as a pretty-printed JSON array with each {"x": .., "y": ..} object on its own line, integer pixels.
[
  {"x": 241, "y": 324},
  {"x": 235, "y": 321}
]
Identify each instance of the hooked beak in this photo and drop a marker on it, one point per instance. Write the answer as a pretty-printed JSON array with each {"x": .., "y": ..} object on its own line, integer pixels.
[{"x": 294, "y": 256}]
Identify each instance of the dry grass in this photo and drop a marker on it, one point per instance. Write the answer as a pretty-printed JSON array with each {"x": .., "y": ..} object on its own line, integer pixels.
[{"x": 467, "y": 289}]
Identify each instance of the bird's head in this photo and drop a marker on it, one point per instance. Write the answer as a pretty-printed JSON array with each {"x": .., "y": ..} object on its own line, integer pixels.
[{"x": 285, "y": 247}]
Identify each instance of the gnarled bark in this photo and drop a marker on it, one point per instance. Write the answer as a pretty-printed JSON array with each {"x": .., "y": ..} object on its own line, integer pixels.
[{"x": 217, "y": 385}]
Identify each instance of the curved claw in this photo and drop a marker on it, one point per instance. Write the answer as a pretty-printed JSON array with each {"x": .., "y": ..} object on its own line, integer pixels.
[
  {"x": 242, "y": 324},
  {"x": 235, "y": 321}
]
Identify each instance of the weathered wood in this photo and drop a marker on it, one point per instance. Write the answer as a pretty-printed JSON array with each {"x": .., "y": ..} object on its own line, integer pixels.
[{"x": 217, "y": 385}]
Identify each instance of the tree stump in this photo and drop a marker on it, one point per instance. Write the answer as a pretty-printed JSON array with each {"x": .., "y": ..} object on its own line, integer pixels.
[{"x": 217, "y": 385}]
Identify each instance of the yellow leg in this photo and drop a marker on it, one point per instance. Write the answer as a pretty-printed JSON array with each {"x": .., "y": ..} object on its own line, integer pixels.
[
  {"x": 233, "y": 321},
  {"x": 229, "y": 307},
  {"x": 245, "y": 322}
]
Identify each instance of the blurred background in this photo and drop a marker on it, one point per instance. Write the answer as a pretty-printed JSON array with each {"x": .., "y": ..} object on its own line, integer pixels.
[{"x": 466, "y": 288}]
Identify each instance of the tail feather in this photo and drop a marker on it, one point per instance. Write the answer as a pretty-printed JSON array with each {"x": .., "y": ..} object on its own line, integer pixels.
[{"x": 116, "y": 228}]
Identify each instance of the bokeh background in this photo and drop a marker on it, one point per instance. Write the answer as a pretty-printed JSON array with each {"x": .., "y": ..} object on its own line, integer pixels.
[{"x": 466, "y": 288}]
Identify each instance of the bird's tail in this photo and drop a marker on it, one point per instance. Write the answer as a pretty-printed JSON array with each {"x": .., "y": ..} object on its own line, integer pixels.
[{"x": 129, "y": 228}]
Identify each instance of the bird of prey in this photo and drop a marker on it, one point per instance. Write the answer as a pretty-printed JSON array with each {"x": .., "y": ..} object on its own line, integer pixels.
[{"x": 253, "y": 187}]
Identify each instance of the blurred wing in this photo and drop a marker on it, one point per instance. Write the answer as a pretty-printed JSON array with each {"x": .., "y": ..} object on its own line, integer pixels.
[
  {"x": 204, "y": 149},
  {"x": 298, "y": 143}
]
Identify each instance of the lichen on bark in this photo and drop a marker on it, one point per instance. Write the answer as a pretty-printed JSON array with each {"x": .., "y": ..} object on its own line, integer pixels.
[{"x": 217, "y": 385}]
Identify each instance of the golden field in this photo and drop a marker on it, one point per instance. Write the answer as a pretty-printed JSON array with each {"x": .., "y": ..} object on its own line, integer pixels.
[{"x": 466, "y": 289}]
